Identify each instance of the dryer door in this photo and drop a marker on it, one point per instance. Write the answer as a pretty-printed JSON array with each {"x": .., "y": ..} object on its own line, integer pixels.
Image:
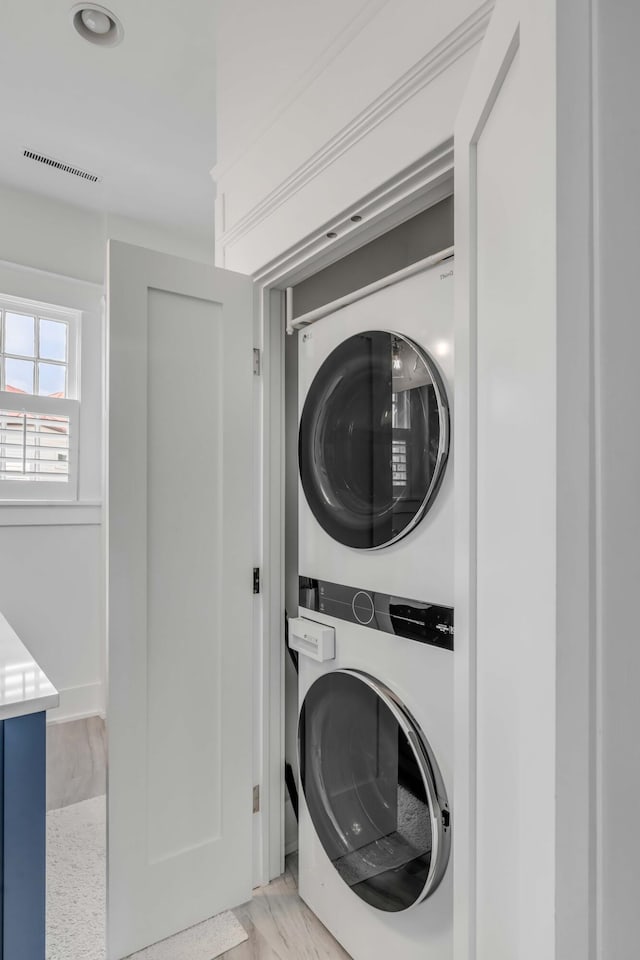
[
  {"x": 373, "y": 790},
  {"x": 374, "y": 439}
]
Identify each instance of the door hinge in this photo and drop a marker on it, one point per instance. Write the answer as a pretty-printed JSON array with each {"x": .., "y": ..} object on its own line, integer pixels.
[
  {"x": 256, "y": 799},
  {"x": 257, "y": 362},
  {"x": 256, "y": 579}
]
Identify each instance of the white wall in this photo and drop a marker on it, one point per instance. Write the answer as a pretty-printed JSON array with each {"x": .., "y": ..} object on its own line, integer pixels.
[
  {"x": 51, "y": 575},
  {"x": 618, "y": 339},
  {"x": 576, "y": 808},
  {"x": 51, "y": 593},
  {"x": 58, "y": 237},
  {"x": 50, "y": 235}
]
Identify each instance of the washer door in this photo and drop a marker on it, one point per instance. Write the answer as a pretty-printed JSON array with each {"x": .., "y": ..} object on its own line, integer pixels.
[
  {"x": 373, "y": 789},
  {"x": 374, "y": 439}
]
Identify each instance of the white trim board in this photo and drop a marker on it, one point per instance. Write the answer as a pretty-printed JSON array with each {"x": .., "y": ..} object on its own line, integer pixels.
[
  {"x": 409, "y": 192},
  {"x": 49, "y": 274},
  {"x": 504, "y": 34},
  {"x": 49, "y": 514}
]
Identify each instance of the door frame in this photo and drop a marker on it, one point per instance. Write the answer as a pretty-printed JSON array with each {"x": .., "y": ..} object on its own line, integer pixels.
[{"x": 408, "y": 193}]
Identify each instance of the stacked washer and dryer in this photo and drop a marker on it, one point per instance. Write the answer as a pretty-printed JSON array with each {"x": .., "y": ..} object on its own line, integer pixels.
[{"x": 375, "y": 731}]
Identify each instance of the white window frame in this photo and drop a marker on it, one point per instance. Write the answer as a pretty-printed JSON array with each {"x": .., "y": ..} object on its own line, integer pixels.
[{"x": 22, "y": 491}]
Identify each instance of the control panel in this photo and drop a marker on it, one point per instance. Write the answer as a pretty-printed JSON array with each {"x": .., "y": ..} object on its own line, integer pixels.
[{"x": 416, "y": 620}]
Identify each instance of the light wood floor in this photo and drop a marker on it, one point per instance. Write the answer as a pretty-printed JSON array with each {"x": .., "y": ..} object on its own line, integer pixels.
[
  {"x": 281, "y": 926},
  {"x": 76, "y": 761}
]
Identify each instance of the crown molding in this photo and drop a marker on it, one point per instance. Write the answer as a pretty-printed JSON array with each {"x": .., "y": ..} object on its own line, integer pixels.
[{"x": 466, "y": 35}]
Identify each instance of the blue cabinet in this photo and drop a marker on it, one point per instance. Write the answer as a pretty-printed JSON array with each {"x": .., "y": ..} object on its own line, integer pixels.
[{"x": 23, "y": 837}]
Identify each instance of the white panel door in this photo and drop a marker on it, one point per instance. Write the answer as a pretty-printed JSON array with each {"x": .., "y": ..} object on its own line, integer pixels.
[{"x": 180, "y": 594}]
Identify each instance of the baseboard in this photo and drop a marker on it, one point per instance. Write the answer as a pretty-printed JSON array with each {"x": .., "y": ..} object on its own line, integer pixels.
[
  {"x": 291, "y": 847},
  {"x": 76, "y": 703}
]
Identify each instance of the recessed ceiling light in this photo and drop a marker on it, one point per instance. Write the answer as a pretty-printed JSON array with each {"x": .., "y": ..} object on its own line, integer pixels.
[{"x": 97, "y": 24}]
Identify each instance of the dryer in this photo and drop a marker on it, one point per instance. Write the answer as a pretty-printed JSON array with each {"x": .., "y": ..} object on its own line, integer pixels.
[{"x": 375, "y": 384}]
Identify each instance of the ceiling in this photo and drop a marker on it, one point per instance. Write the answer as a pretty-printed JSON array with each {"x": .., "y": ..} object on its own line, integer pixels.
[{"x": 140, "y": 115}]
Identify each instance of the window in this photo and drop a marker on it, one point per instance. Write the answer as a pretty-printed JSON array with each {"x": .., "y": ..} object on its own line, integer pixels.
[
  {"x": 39, "y": 401},
  {"x": 400, "y": 425}
]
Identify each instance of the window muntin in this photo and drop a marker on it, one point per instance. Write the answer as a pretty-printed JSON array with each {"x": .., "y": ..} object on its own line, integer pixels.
[
  {"x": 34, "y": 354},
  {"x": 39, "y": 408}
]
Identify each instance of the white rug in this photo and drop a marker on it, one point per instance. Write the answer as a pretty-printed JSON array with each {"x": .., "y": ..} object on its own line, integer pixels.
[
  {"x": 202, "y": 942},
  {"x": 76, "y": 864}
]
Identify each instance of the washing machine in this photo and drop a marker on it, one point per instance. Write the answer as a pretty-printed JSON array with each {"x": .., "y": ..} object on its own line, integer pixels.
[
  {"x": 375, "y": 631},
  {"x": 375, "y": 749}
]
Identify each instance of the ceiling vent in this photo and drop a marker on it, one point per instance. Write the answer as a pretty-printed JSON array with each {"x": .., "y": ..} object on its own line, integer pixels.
[{"x": 64, "y": 167}]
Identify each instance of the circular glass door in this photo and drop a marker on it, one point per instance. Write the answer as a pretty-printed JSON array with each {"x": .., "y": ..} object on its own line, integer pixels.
[
  {"x": 374, "y": 439},
  {"x": 373, "y": 790}
]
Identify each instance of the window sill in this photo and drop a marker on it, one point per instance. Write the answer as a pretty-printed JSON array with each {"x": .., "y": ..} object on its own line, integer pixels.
[{"x": 47, "y": 513}]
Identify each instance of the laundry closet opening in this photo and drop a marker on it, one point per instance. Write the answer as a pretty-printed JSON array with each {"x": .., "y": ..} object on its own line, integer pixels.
[
  {"x": 421, "y": 236},
  {"x": 420, "y": 860}
]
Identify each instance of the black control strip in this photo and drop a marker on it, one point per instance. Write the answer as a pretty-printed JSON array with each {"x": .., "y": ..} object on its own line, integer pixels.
[{"x": 413, "y": 619}]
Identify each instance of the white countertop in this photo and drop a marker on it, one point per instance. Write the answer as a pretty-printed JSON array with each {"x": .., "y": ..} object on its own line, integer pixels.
[{"x": 24, "y": 687}]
